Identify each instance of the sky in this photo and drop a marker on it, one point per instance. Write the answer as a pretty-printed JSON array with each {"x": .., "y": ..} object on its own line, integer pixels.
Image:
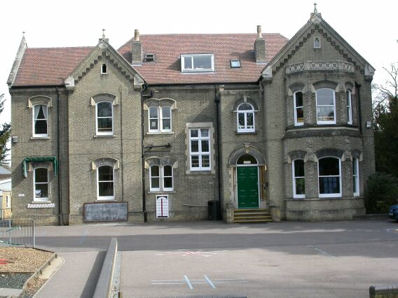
[{"x": 369, "y": 26}]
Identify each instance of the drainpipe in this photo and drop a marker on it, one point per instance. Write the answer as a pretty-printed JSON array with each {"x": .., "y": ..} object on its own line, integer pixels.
[
  {"x": 144, "y": 87},
  {"x": 358, "y": 92},
  {"x": 217, "y": 101},
  {"x": 121, "y": 142},
  {"x": 60, "y": 215}
]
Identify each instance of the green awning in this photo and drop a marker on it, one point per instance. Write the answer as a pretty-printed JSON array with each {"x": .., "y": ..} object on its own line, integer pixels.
[{"x": 52, "y": 159}]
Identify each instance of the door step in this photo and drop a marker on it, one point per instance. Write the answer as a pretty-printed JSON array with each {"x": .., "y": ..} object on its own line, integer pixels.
[{"x": 252, "y": 215}]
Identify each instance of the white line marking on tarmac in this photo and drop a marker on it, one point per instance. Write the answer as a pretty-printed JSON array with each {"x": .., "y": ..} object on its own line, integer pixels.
[
  {"x": 209, "y": 282},
  {"x": 188, "y": 282}
]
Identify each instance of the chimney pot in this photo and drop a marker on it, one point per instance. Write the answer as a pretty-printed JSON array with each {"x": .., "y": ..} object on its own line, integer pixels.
[
  {"x": 136, "y": 35},
  {"x": 259, "y": 33}
]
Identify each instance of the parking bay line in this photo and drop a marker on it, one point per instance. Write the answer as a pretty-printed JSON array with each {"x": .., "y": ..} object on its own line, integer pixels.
[
  {"x": 209, "y": 282},
  {"x": 188, "y": 282}
]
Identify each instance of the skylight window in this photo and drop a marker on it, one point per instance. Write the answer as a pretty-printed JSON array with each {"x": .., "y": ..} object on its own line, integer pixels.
[
  {"x": 197, "y": 63},
  {"x": 149, "y": 58},
  {"x": 235, "y": 63}
]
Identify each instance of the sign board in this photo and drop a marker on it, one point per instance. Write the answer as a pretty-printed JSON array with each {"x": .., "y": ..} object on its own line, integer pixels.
[
  {"x": 105, "y": 212},
  {"x": 162, "y": 206}
]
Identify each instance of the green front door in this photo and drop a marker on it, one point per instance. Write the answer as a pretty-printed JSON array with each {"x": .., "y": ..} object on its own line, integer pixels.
[{"x": 247, "y": 187}]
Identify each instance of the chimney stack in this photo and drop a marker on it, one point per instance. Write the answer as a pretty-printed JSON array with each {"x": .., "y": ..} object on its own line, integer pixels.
[
  {"x": 259, "y": 46},
  {"x": 136, "y": 48}
]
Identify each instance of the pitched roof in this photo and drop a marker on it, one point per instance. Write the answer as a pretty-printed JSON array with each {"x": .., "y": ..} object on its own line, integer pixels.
[
  {"x": 168, "y": 48},
  {"x": 48, "y": 66},
  {"x": 51, "y": 66}
]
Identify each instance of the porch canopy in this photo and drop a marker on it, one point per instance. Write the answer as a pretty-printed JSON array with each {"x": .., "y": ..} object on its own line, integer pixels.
[{"x": 26, "y": 160}]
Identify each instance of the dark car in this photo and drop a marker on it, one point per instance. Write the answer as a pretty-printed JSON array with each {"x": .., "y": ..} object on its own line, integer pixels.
[{"x": 393, "y": 213}]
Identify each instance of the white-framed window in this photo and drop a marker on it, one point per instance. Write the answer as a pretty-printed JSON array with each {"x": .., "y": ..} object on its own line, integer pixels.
[
  {"x": 245, "y": 118},
  {"x": 199, "y": 149},
  {"x": 105, "y": 183},
  {"x": 159, "y": 118},
  {"x": 329, "y": 173},
  {"x": 349, "y": 106},
  {"x": 197, "y": 62},
  {"x": 104, "y": 115},
  {"x": 325, "y": 106},
  {"x": 298, "y": 179},
  {"x": 355, "y": 177},
  {"x": 40, "y": 184},
  {"x": 161, "y": 178},
  {"x": 298, "y": 108},
  {"x": 40, "y": 121},
  {"x": 8, "y": 202}
]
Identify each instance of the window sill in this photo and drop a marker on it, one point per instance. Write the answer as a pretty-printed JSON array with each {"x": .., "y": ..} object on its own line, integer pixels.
[
  {"x": 246, "y": 132},
  {"x": 160, "y": 133},
  {"x": 161, "y": 191},
  {"x": 104, "y": 136},
  {"x": 39, "y": 138}
]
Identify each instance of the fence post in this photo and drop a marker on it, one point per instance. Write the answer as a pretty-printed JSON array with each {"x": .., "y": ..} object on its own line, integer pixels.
[
  {"x": 9, "y": 231},
  {"x": 33, "y": 233}
]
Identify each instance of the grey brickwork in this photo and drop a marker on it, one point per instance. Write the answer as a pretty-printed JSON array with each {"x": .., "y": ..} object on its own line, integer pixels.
[{"x": 302, "y": 65}]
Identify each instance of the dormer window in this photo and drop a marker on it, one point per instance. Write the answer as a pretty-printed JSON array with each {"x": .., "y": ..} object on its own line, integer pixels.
[
  {"x": 104, "y": 69},
  {"x": 149, "y": 58},
  {"x": 197, "y": 63},
  {"x": 235, "y": 63}
]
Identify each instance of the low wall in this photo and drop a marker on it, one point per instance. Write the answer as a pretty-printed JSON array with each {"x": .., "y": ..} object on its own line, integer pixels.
[{"x": 324, "y": 209}]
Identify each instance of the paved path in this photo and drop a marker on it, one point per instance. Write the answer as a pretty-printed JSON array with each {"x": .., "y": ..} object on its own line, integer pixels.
[{"x": 76, "y": 278}]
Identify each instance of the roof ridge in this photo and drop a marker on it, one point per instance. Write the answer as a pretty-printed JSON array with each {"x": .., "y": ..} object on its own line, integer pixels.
[{"x": 73, "y": 47}]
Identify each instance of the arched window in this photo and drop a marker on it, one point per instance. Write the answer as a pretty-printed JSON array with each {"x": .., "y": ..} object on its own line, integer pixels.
[
  {"x": 40, "y": 120},
  {"x": 40, "y": 184},
  {"x": 104, "y": 111},
  {"x": 329, "y": 173},
  {"x": 325, "y": 106},
  {"x": 246, "y": 159},
  {"x": 105, "y": 183},
  {"x": 298, "y": 179},
  {"x": 245, "y": 118},
  {"x": 298, "y": 108},
  {"x": 349, "y": 106},
  {"x": 355, "y": 177}
]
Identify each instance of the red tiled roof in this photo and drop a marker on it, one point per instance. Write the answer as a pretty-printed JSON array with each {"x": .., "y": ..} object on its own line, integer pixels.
[
  {"x": 168, "y": 48},
  {"x": 49, "y": 66}
]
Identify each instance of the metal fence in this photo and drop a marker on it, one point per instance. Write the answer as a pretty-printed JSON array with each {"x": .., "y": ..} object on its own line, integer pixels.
[{"x": 17, "y": 232}]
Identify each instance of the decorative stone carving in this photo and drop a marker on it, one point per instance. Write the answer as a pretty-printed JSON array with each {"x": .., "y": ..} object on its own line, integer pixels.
[{"x": 321, "y": 66}]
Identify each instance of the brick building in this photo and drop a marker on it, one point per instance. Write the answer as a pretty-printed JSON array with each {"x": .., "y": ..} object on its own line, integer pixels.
[{"x": 266, "y": 126}]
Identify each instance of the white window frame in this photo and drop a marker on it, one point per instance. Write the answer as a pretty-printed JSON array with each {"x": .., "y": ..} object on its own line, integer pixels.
[
  {"x": 295, "y": 195},
  {"x": 245, "y": 128},
  {"x": 161, "y": 178},
  {"x": 193, "y": 69},
  {"x": 355, "y": 176},
  {"x": 159, "y": 119},
  {"x": 296, "y": 123},
  {"x": 45, "y": 110},
  {"x": 106, "y": 198},
  {"x": 330, "y": 195},
  {"x": 349, "y": 106},
  {"x": 334, "y": 108},
  {"x": 44, "y": 199},
  {"x": 200, "y": 154},
  {"x": 103, "y": 133}
]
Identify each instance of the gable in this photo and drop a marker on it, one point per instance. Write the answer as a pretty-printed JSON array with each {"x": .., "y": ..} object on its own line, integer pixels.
[
  {"x": 332, "y": 46},
  {"x": 103, "y": 51}
]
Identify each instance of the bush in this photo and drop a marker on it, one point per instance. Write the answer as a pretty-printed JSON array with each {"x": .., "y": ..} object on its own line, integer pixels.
[{"x": 381, "y": 192}]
